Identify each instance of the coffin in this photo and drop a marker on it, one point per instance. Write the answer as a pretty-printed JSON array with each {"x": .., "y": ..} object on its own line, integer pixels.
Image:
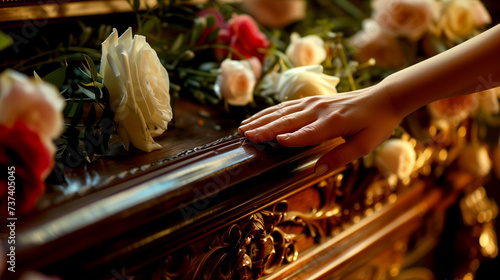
[{"x": 212, "y": 205}]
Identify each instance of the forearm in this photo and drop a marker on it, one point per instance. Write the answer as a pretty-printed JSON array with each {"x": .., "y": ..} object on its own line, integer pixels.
[{"x": 467, "y": 68}]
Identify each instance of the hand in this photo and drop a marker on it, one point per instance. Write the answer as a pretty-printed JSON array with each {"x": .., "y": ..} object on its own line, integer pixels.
[{"x": 364, "y": 119}]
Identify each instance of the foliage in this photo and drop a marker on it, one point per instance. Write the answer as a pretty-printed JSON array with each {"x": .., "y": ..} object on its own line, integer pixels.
[{"x": 184, "y": 42}]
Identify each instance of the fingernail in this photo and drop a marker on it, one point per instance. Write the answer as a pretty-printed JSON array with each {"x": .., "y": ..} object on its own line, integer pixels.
[
  {"x": 320, "y": 170},
  {"x": 252, "y": 133},
  {"x": 243, "y": 126},
  {"x": 244, "y": 121},
  {"x": 283, "y": 137}
]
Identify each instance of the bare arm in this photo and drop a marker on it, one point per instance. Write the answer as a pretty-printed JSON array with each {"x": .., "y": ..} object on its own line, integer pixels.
[
  {"x": 367, "y": 117},
  {"x": 467, "y": 68}
]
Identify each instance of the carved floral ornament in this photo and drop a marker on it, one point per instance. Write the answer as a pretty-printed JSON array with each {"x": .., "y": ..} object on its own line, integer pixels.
[
  {"x": 266, "y": 240},
  {"x": 247, "y": 250}
]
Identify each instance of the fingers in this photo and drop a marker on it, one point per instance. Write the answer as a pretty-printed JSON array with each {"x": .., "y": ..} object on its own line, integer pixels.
[
  {"x": 286, "y": 124},
  {"x": 351, "y": 150},
  {"x": 267, "y": 116},
  {"x": 269, "y": 110},
  {"x": 310, "y": 134}
]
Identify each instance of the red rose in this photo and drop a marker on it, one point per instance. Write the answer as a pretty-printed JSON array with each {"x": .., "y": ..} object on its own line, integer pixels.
[
  {"x": 21, "y": 148},
  {"x": 243, "y": 35}
]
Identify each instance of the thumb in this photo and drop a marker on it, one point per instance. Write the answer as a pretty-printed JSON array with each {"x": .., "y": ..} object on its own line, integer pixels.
[{"x": 342, "y": 155}]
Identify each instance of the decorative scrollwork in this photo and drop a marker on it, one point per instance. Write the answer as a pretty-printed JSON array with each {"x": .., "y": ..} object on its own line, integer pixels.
[
  {"x": 264, "y": 241},
  {"x": 247, "y": 250},
  {"x": 322, "y": 220}
]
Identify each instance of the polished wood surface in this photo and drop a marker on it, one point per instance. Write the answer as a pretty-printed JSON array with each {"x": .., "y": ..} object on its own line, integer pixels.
[
  {"x": 212, "y": 205},
  {"x": 170, "y": 200}
]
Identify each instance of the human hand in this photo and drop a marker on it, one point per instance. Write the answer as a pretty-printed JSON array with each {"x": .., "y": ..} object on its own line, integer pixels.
[{"x": 364, "y": 119}]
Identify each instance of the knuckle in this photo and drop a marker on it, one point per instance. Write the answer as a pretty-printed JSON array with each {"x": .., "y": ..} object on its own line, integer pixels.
[
  {"x": 320, "y": 104},
  {"x": 287, "y": 119},
  {"x": 280, "y": 112},
  {"x": 280, "y": 105}
]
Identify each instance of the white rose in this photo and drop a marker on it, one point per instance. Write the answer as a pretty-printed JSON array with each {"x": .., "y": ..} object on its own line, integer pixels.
[
  {"x": 308, "y": 50},
  {"x": 474, "y": 158},
  {"x": 407, "y": 18},
  {"x": 35, "y": 102},
  {"x": 304, "y": 81},
  {"x": 396, "y": 157},
  {"x": 373, "y": 42},
  {"x": 460, "y": 18},
  {"x": 236, "y": 82},
  {"x": 139, "y": 89}
]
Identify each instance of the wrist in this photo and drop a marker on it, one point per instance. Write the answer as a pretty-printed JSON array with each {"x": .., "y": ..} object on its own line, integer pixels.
[{"x": 400, "y": 104}]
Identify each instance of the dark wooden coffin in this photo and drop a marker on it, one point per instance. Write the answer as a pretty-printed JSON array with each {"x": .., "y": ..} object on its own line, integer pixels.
[{"x": 212, "y": 205}]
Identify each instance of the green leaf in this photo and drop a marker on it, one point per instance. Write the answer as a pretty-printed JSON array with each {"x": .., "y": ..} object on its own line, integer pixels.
[
  {"x": 87, "y": 92},
  {"x": 5, "y": 40},
  {"x": 91, "y": 67},
  {"x": 137, "y": 4},
  {"x": 63, "y": 91},
  {"x": 177, "y": 43},
  {"x": 101, "y": 94},
  {"x": 284, "y": 58},
  {"x": 211, "y": 21},
  {"x": 149, "y": 25},
  {"x": 85, "y": 72},
  {"x": 350, "y": 9},
  {"x": 68, "y": 107},
  {"x": 213, "y": 35},
  {"x": 57, "y": 77},
  {"x": 199, "y": 25}
]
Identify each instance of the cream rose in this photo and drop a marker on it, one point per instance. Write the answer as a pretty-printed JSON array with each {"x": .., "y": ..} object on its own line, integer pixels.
[
  {"x": 139, "y": 89},
  {"x": 236, "y": 81},
  {"x": 33, "y": 101},
  {"x": 460, "y": 18},
  {"x": 304, "y": 51},
  {"x": 374, "y": 42},
  {"x": 275, "y": 13},
  {"x": 303, "y": 81},
  {"x": 474, "y": 158},
  {"x": 396, "y": 157},
  {"x": 406, "y": 18}
]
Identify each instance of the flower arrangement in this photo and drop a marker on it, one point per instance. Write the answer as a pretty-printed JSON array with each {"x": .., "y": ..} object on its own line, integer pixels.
[
  {"x": 30, "y": 120},
  {"x": 243, "y": 56},
  {"x": 401, "y": 33}
]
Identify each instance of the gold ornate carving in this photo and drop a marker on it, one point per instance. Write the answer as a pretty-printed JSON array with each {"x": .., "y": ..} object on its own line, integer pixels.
[
  {"x": 247, "y": 250},
  {"x": 266, "y": 240}
]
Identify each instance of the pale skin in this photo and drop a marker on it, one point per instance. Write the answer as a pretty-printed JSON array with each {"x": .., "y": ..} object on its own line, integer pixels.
[{"x": 367, "y": 117}]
